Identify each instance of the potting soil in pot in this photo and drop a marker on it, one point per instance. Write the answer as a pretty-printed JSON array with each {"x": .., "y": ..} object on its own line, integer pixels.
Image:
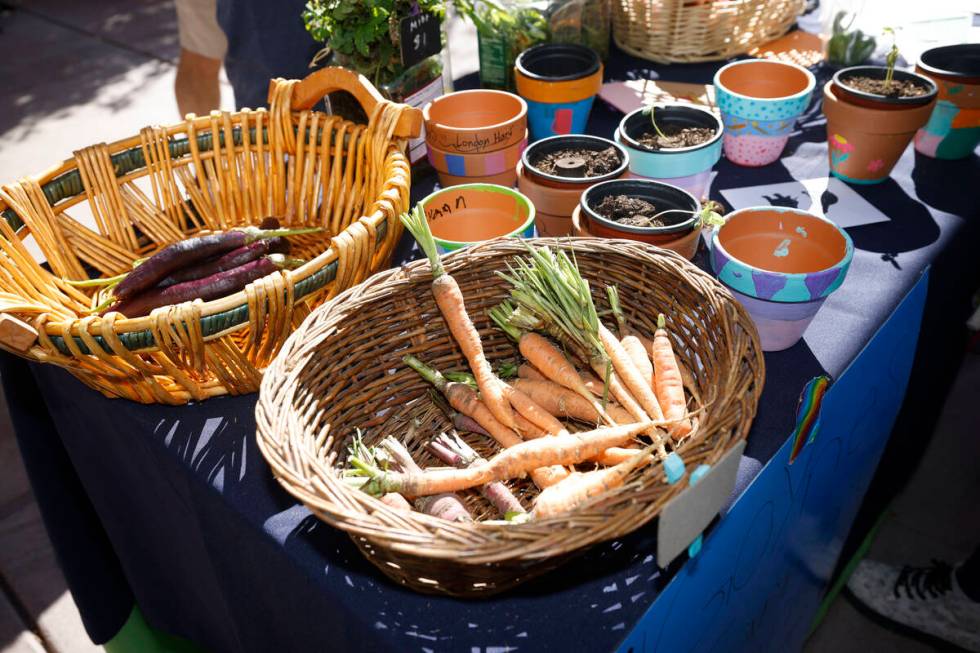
[
  {"x": 674, "y": 137},
  {"x": 634, "y": 211},
  {"x": 897, "y": 88},
  {"x": 586, "y": 163}
]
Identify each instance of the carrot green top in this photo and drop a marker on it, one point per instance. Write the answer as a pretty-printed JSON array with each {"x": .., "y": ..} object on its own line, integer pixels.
[{"x": 418, "y": 226}]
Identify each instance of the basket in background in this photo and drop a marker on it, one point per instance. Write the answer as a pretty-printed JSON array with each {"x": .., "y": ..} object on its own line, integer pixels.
[
  {"x": 687, "y": 31},
  {"x": 341, "y": 370},
  {"x": 207, "y": 173}
]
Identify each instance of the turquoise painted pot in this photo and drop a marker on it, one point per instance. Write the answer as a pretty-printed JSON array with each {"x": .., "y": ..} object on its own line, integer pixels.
[
  {"x": 760, "y": 101},
  {"x": 953, "y": 130},
  {"x": 472, "y": 213},
  {"x": 686, "y": 167},
  {"x": 559, "y": 82},
  {"x": 781, "y": 263}
]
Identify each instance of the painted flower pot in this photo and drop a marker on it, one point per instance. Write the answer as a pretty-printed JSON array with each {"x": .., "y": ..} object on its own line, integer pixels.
[
  {"x": 474, "y": 122},
  {"x": 781, "y": 264},
  {"x": 501, "y": 165},
  {"x": 681, "y": 237},
  {"x": 471, "y": 213},
  {"x": 953, "y": 129},
  {"x": 686, "y": 167},
  {"x": 555, "y": 197},
  {"x": 559, "y": 81},
  {"x": 760, "y": 101},
  {"x": 864, "y": 143},
  {"x": 852, "y": 95}
]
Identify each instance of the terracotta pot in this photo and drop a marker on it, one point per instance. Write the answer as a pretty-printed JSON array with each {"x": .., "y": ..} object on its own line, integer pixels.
[
  {"x": 760, "y": 101},
  {"x": 873, "y": 100},
  {"x": 781, "y": 264},
  {"x": 686, "y": 167},
  {"x": 499, "y": 164},
  {"x": 559, "y": 81},
  {"x": 507, "y": 179},
  {"x": 471, "y": 213},
  {"x": 953, "y": 130},
  {"x": 467, "y": 122},
  {"x": 555, "y": 197},
  {"x": 681, "y": 237},
  {"x": 864, "y": 144}
]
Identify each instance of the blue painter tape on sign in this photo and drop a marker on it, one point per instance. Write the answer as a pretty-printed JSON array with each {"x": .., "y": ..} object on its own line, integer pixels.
[
  {"x": 698, "y": 473},
  {"x": 673, "y": 468}
]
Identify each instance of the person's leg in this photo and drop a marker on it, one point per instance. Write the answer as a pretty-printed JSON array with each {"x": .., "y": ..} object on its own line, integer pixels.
[
  {"x": 196, "y": 85},
  {"x": 202, "y": 48}
]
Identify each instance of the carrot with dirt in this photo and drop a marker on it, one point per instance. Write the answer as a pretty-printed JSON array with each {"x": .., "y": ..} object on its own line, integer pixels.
[
  {"x": 670, "y": 385},
  {"x": 630, "y": 341},
  {"x": 514, "y": 462},
  {"x": 454, "y": 451},
  {"x": 449, "y": 299},
  {"x": 465, "y": 400},
  {"x": 573, "y": 492},
  {"x": 545, "y": 357},
  {"x": 446, "y": 505}
]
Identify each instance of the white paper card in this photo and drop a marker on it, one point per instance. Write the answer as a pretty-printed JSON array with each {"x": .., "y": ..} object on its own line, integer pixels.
[{"x": 825, "y": 196}]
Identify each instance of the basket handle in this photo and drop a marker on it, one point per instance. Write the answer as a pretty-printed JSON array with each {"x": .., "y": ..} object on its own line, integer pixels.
[{"x": 311, "y": 90}]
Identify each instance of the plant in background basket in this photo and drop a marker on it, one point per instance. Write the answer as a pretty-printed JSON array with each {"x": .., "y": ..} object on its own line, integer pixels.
[{"x": 846, "y": 47}]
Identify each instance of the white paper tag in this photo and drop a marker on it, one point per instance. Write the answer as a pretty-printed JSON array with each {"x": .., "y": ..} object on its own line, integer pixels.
[{"x": 418, "y": 99}]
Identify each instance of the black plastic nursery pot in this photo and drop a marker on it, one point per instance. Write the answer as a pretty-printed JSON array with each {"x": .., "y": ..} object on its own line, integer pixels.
[
  {"x": 874, "y": 100},
  {"x": 680, "y": 116}
]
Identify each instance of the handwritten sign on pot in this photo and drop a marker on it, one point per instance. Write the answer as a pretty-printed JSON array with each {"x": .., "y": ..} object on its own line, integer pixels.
[{"x": 421, "y": 38}]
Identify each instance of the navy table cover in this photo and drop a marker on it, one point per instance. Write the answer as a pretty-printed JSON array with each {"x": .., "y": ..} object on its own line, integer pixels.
[{"x": 174, "y": 508}]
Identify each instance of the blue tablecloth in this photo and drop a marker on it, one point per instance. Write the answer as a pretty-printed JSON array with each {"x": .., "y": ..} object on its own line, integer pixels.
[{"x": 174, "y": 507}]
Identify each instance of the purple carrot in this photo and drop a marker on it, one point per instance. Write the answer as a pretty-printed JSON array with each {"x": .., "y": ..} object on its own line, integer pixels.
[
  {"x": 193, "y": 250},
  {"x": 460, "y": 421},
  {"x": 446, "y": 506},
  {"x": 229, "y": 261},
  {"x": 208, "y": 288},
  {"x": 454, "y": 451}
]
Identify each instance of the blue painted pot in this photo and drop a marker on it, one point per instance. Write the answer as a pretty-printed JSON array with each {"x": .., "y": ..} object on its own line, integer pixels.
[
  {"x": 781, "y": 264},
  {"x": 686, "y": 167},
  {"x": 559, "y": 82},
  {"x": 760, "y": 101}
]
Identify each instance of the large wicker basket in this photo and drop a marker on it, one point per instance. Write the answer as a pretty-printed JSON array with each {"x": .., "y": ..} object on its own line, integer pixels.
[
  {"x": 208, "y": 173},
  {"x": 685, "y": 31},
  {"x": 342, "y": 370}
]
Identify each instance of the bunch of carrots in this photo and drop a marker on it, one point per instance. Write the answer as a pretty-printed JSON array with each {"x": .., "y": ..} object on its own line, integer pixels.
[
  {"x": 584, "y": 410},
  {"x": 205, "y": 267}
]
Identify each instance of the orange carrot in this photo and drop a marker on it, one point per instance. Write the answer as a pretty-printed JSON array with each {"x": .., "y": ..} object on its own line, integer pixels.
[
  {"x": 562, "y": 402},
  {"x": 689, "y": 383},
  {"x": 449, "y": 299},
  {"x": 464, "y": 399},
  {"x": 527, "y": 371},
  {"x": 670, "y": 386},
  {"x": 631, "y": 377},
  {"x": 533, "y": 412},
  {"x": 576, "y": 490},
  {"x": 445, "y": 505},
  {"x": 629, "y": 340},
  {"x": 564, "y": 449},
  {"x": 589, "y": 381}
]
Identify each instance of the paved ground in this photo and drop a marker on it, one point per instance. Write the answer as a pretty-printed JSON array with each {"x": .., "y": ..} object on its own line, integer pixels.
[{"x": 76, "y": 73}]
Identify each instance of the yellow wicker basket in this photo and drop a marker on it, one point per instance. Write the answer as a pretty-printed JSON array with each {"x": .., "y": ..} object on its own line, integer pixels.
[
  {"x": 685, "y": 31},
  {"x": 205, "y": 174}
]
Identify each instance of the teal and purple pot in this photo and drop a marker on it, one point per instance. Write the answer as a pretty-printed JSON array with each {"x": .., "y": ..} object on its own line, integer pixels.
[
  {"x": 760, "y": 101},
  {"x": 471, "y": 213},
  {"x": 953, "y": 130},
  {"x": 559, "y": 82},
  {"x": 781, "y": 264},
  {"x": 686, "y": 167}
]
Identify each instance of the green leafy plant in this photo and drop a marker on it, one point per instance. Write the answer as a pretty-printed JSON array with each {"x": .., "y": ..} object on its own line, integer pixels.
[
  {"x": 846, "y": 47},
  {"x": 504, "y": 33},
  {"x": 653, "y": 121},
  {"x": 364, "y": 33},
  {"x": 890, "y": 59}
]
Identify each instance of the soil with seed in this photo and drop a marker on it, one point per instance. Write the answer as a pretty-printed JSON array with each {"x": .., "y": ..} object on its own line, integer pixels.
[
  {"x": 597, "y": 162},
  {"x": 898, "y": 87},
  {"x": 675, "y": 137},
  {"x": 635, "y": 212}
]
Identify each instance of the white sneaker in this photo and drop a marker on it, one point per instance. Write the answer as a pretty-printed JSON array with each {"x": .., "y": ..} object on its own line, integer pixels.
[{"x": 927, "y": 599}]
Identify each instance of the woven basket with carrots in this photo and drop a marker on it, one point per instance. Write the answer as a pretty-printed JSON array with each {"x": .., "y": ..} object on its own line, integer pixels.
[
  {"x": 474, "y": 421},
  {"x": 151, "y": 206}
]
